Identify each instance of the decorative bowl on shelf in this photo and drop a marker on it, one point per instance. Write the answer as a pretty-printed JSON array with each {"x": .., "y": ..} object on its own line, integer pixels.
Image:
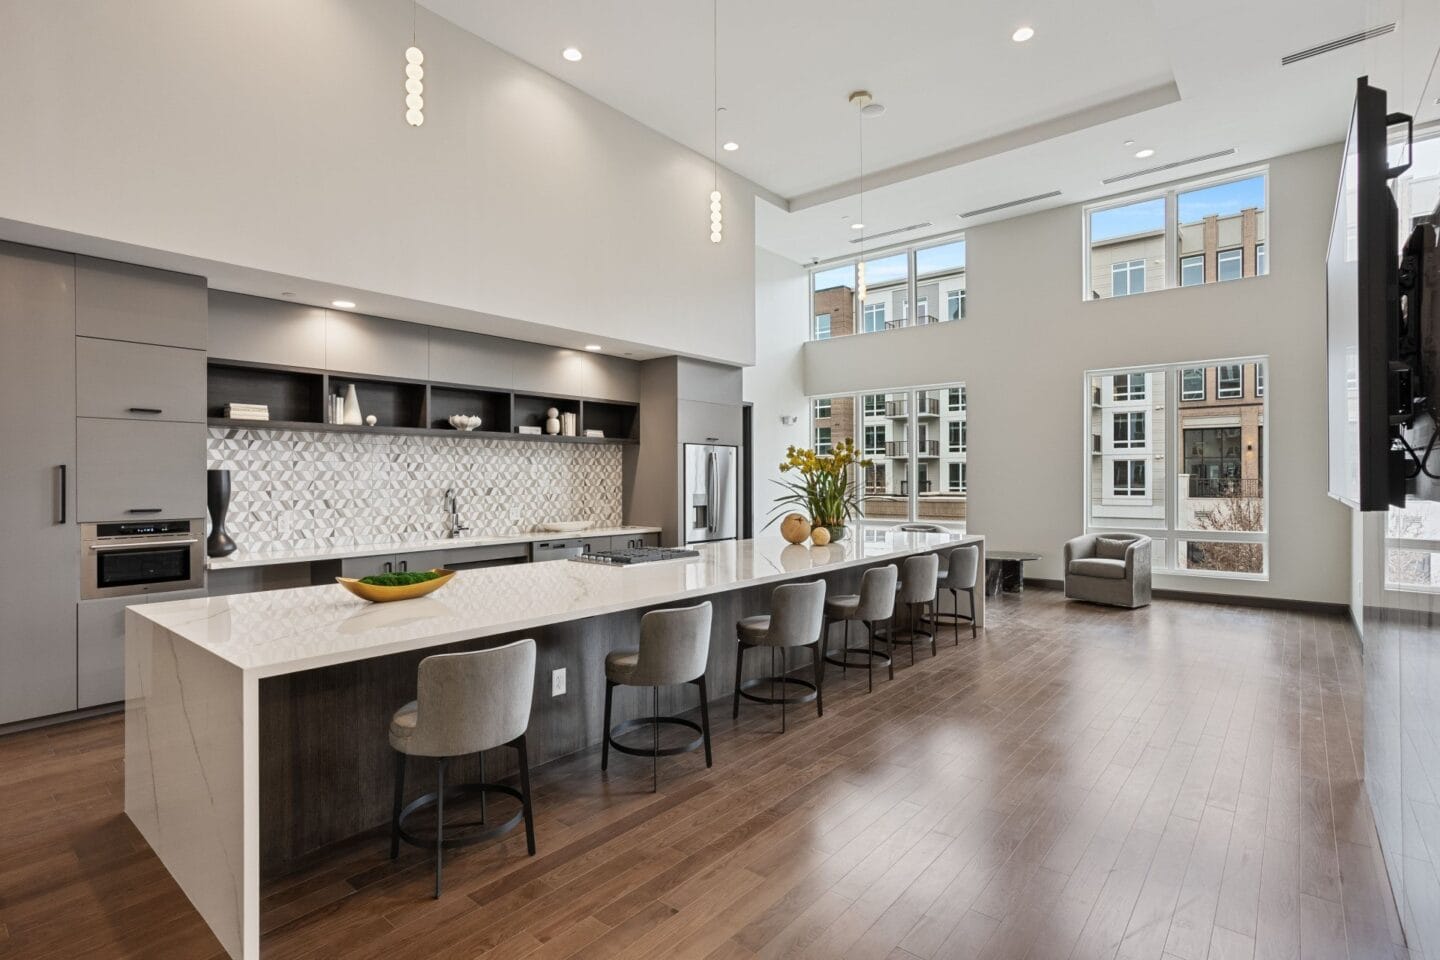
[
  {"x": 565, "y": 526},
  {"x": 463, "y": 421},
  {"x": 382, "y": 592}
]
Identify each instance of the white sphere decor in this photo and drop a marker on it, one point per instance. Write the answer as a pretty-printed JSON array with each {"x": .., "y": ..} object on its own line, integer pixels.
[
  {"x": 414, "y": 102},
  {"x": 413, "y": 55},
  {"x": 414, "y": 71}
]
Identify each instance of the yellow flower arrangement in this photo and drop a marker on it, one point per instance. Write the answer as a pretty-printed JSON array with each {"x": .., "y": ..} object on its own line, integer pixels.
[{"x": 826, "y": 487}]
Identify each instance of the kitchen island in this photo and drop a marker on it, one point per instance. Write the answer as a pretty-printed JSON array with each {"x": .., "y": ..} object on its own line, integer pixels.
[{"x": 255, "y": 723}]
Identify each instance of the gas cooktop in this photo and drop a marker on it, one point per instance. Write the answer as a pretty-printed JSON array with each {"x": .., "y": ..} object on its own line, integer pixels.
[{"x": 634, "y": 556}]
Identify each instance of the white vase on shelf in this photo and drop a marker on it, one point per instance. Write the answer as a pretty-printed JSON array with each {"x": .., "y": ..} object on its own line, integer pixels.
[
  {"x": 552, "y": 421},
  {"x": 352, "y": 407}
]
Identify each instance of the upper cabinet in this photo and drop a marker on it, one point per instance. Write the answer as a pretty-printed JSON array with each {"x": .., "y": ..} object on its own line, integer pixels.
[
  {"x": 120, "y": 301},
  {"x": 356, "y": 343},
  {"x": 710, "y": 382},
  {"x": 273, "y": 332},
  {"x": 473, "y": 358}
]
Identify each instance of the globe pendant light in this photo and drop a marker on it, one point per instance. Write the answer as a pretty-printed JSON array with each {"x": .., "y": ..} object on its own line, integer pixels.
[{"x": 414, "y": 78}]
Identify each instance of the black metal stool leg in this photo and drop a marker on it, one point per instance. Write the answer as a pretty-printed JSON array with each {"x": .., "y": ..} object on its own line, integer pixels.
[
  {"x": 870, "y": 662},
  {"x": 481, "y": 757},
  {"x": 910, "y": 612},
  {"x": 605, "y": 746},
  {"x": 973, "y": 633},
  {"x": 843, "y": 667},
  {"x": 705, "y": 717},
  {"x": 439, "y": 824},
  {"x": 889, "y": 643},
  {"x": 739, "y": 666},
  {"x": 524, "y": 759},
  {"x": 655, "y": 766},
  {"x": 820, "y": 677},
  {"x": 399, "y": 803},
  {"x": 955, "y": 605},
  {"x": 934, "y": 623},
  {"x": 784, "y": 672}
]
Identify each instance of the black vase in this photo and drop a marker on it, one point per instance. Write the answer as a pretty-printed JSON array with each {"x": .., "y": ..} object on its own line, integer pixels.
[{"x": 219, "y": 543}]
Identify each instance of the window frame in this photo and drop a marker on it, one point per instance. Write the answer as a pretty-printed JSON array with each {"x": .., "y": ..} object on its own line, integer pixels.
[
  {"x": 815, "y": 326},
  {"x": 1127, "y": 268},
  {"x": 1204, "y": 388},
  {"x": 1130, "y": 418},
  {"x": 909, "y": 288},
  {"x": 1170, "y": 192},
  {"x": 880, "y": 306},
  {"x": 1194, "y": 258},
  {"x": 829, "y": 403},
  {"x": 1224, "y": 256},
  {"x": 1239, "y": 387}
]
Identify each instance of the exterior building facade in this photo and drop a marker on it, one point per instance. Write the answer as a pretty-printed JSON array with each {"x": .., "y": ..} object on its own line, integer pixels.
[{"x": 1210, "y": 250}]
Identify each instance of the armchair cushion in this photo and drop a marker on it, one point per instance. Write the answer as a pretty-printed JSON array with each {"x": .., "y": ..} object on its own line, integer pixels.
[
  {"x": 1108, "y": 549},
  {"x": 1097, "y": 567}
]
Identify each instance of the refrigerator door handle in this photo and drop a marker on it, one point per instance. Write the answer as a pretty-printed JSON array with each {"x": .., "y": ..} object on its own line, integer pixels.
[{"x": 710, "y": 491}]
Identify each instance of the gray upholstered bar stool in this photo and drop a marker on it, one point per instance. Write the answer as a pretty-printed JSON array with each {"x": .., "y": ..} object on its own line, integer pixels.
[
  {"x": 873, "y": 605},
  {"x": 674, "y": 645},
  {"x": 797, "y": 614},
  {"x": 465, "y": 703},
  {"x": 962, "y": 575},
  {"x": 918, "y": 590}
]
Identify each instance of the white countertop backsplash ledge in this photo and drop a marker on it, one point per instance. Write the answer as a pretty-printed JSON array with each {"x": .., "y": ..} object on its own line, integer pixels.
[{"x": 284, "y": 631}]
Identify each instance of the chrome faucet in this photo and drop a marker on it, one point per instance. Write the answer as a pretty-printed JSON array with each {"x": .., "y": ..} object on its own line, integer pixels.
[{"x": 452, "y": 507}]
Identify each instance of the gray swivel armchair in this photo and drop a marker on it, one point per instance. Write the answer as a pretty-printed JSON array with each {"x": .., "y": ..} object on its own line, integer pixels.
[{"x": 1112, "y": 568}]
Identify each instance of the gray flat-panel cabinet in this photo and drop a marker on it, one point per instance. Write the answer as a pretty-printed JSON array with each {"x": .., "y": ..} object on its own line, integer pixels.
[
  {"x": 139, "y": 381},
  {"x": 355, "y": 343},
  {"x": 37, "y": 476},
  {"x": 120, "y": 301},
  {"x": 635, "y": 541},
  {"x": 129, "y": 469},
  {"x": 702, "y": 422},
  {"x": 613, "y": 378},
  {"x": 100, "y": 645},
  {"x": 472, "y": 359},
  {"x": 260, "y": 330},
  {"x": 358, "y": 567}
]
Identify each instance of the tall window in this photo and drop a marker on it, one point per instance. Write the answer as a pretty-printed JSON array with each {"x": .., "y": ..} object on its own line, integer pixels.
[
  {"x": 822, "y": 326},
  {"x": 931, "y": 278},
  {"x": 1127, "y": 277},
  {"x": 1192, "y": 383},
  {"x": 1198, "y": 490},
  {"x": 1186, "y": 236},
  {"x": 1228, "y": 382},
  {"x": 1128, "y": 430}
]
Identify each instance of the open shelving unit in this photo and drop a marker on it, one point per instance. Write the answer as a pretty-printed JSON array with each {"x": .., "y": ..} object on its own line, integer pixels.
[{"x": 297, "y": 401}]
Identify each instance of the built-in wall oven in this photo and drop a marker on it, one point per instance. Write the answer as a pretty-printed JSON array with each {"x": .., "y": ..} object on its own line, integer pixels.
[{"x": 131, "y": 558}]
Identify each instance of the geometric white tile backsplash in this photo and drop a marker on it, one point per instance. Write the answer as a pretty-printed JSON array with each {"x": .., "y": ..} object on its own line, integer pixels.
[{"x": 342, "y": 489}]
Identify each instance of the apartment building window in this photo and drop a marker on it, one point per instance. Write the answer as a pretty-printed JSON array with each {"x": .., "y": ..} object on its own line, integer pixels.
[
  {"x": 822, "y": 408},
  {"x": 874, "y": 404},
  {"x": 954, "y": 401},
  {"x": 1200, "y": 492},
  {"x": 823, "y": 443},
  {"x": 1129, "y": 478},
  {"x": 1228, "y": 382},
  {"x": 1129, "y": 386},
  {"x": 875, "y": 316},
  {"x": 1128, "y": 430},
  {"x": 875, "y": 440},
  {"x": 1192, "y": 270},
  {"x": 1192, "y": 383},
  {"x": 1259, "y": 379},
  {"x": 1204, "y": 232},
  {"x": 1228, "y": 264},
  {"x": 822, "y": 326},
  {"x": 957, "y": 477},
  {"x": 1127, "y": 277},
  {"x": 955, "y": 441},
  {"x": 922, "y": 310},
  {"x": 955, "y": 304}
]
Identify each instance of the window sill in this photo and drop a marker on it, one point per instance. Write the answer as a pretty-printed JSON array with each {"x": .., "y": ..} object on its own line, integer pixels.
[{"x": 1213, "y": 574}]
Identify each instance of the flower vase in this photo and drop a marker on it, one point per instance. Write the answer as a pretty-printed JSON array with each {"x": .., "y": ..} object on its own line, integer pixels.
[{"x": 217, "y": 490}]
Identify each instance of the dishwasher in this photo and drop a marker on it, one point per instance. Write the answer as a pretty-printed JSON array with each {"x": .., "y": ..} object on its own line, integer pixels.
[{"x": 555, "y": 550}]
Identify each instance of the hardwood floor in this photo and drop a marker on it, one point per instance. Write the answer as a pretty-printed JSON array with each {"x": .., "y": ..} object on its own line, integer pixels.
[{"x": 1178, "y": 782}]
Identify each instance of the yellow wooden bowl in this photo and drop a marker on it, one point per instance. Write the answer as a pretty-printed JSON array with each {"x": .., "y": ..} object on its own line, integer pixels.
[{"x": 378, "y": 594}]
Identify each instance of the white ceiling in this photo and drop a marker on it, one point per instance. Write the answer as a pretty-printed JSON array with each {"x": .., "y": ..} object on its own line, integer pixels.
[{"x": 972, "y": 118}]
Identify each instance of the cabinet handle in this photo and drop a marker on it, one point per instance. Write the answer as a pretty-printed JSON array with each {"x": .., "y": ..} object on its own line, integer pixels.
[
  {"x": 144, "y": 510},
  {"x": 64, "y": 497},
  {"x": 404, "y": 566},
  {"x": 150, "y": 410},
  {"x": 389, "y": 567}
]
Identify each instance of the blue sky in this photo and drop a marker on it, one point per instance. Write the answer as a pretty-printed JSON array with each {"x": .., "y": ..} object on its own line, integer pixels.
[
  {"x": 1223, "y": 200},
  {"x": 947, "y": 256}
]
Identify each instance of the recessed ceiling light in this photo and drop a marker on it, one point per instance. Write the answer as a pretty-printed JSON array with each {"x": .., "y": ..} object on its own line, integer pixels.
[
  {"x": 872, "y": 109},
  {"x": 730, "y": 145},
  {"x": 1023, "y": 34},
  {"x": 857, "y": 226},
  {"x": 592, "y": 347},
  {"x": 1144, "y": 154},
  {"x": 1129, "y": 143},
  {"x": 343, "y": 304},
  {"x": 572, "y": 54}
]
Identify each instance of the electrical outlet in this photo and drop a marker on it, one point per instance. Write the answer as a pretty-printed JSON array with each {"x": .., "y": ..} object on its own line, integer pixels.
[{"x": 557, "y": 682}]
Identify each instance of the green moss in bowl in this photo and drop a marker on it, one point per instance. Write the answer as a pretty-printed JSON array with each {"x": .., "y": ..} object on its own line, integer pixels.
[{"x": 404, "y": 579}]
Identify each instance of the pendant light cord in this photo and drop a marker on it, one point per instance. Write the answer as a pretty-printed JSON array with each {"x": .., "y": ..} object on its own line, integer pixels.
[{"x": 715, "y": 91}]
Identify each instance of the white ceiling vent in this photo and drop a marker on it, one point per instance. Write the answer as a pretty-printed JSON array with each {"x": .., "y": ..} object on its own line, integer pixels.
[
  {"x": 1337, "y": 44},
  {"x": 891, "y": 233},
  {"x": 1010, "y": 203},
  {"x": 1169, "y": 166}
]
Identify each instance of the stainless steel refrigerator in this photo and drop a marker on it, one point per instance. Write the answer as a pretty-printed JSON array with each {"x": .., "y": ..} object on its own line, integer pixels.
[{"x": 711, "y": 492}]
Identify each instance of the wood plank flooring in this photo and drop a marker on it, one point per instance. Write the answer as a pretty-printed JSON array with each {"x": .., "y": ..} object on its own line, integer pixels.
[{"x": 1179, "y": 782}]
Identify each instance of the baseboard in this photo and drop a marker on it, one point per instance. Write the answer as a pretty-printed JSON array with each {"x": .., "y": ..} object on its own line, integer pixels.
[
  {"x": 1269, "y": 603},
  {"x": 56, "y": 719}
]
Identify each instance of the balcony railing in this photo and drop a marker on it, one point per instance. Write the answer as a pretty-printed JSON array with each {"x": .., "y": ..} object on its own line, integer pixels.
[
  {"x": 900, "y": 449},
  {"x": 1202, "y": 488},
  {"x": 928, "y": 407}
]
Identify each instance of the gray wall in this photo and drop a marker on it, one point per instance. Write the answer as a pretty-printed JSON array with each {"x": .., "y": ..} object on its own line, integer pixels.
[{"x": 1029, "y": 339}]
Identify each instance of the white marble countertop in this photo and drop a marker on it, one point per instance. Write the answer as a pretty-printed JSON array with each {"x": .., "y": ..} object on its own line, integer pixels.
[
  {"x": 285, "y": 631},
  {"x": 309, "y": 553}
]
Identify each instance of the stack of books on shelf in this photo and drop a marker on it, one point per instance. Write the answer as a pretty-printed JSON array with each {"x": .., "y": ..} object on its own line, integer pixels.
[{"x": 247, "y": 411}]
